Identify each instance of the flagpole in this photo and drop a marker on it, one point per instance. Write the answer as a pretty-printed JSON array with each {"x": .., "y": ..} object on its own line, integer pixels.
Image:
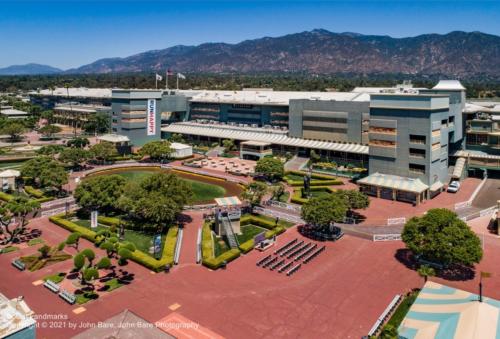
[
  {"x": 166, "y": 81},
  {"x": 177, "y": 81}
]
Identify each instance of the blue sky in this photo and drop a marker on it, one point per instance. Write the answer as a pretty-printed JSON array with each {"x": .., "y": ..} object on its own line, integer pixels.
[{"x": 71, "y": 33}]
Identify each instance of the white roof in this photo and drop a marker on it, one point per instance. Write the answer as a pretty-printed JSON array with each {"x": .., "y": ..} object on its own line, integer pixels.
[
  {"x": 9, "y": 173},
  {"x": 15, "y": 315},
  {"x": 453, "y": 85},
  {"x": 279, "y": 98},
  {"x": 82, "y": 92},
  {"x": 477, "y": 106},
  {"x": 113, "y": 138},
  {"x": 459, "y": 167},
  {"x": 260, "y": 134},
  {"x": 394, "y": 182},
  {"x": 179, "y": 146},
  {"x": 13, "y": 112}
]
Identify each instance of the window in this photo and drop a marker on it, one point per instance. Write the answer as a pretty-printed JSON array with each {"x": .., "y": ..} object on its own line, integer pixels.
[
  {"x": 436, "y": 146},
  {"x": 420, "y": 169},
  {"x": 382, "y": 143},
  {"x": 417, "y": 153},
  {"x": 444, "y": 123},
  {"x": 382, "y": 130},
  {"x": 417, "y": 139}
]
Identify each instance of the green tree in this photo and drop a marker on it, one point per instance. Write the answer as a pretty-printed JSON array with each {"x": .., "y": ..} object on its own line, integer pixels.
[
  {"x": 104, "y": 263},
  {"x": 78, "y": 142},
  {"x": 442, "y": 237},
  {"x": 74, "y": 240},
  {"x": 14, "y": 129},
  {"x": 389, "y": 332},
  {"x": 313, "y": 158},
  {"x": 354, "y": 199},
  {"x": 44, "y": 251},
  {"x": 254, "y": 192},
  {"x": 272, "y": 168},
  {"x": 98, "y": 124},
  {"x": 124, "y": 254},
  {"x": 45, "y": 172},
  {"x": 50, "y": 150},
  {"x": 100, "y": 192},
  {"x": 425, "y": 271},
  {"x": 176, "y": 137},
  {"x": 74, "y": 157},
  {"x": 157, "y": 150},
  {"x": 325, "y": 210},
  {"x": 48, "y": 131},
  {"x": 228, "y": 145},
  {"x": 48, "y": 115},
  {"x": 17, "y": 208},
  {"x": 104, "y": 151}
]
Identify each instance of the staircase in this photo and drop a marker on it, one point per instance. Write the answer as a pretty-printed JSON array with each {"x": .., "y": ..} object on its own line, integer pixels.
[{"x": 231, "y": 237}]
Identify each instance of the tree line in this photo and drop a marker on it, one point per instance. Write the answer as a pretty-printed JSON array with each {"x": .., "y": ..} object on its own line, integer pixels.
[{"x": 476, "y": 87}]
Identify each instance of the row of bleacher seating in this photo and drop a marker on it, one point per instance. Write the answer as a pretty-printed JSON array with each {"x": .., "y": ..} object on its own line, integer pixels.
[
  {"x": 52, "y": 286},
  {"x": 276, "y": 265},
  {"x": 264, "y": 260},
  {"x": 17, "y": 263},
  {"x": 303, "y": 254},
  {"x": 313, "y": 255},
  {"x": 285, "y": 267},
  {"x": 293, "y": 269},
  {"x": 291, "y": 249},
  {"x": 286, "y": 246},
  {"x": 298, "y": 250},
  {"x": 270, "y": 262}
]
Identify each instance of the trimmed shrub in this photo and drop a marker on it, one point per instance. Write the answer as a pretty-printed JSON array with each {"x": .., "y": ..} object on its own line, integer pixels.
[
  {"x": 247, "y": 246},
  {"x": 207, "y": 249},
  {"x": 6, "y": 197},
  {"x": 108, "y": 221},
  {"x": 71, "y": 226},
  {"x": 33, "y": 191},
  {"x": 215, "y": 263}
]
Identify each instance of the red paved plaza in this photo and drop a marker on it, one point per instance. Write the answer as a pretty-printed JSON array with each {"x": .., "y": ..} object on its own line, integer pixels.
[{"x": 340, "y": 294}]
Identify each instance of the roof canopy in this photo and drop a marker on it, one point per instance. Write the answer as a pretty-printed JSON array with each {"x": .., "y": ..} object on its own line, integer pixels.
[
  {"x": 394, "y": 182},
  {"x": 114, "y": 138},
  {"x": 254, "y": 134},
  {"x": 459, "y": 167},
  {"x": 451, "y": 85},
  {"x": 228, "y": 201},
  {"x": 10, "y": 173},
  {"x": 444, "y": 312}
]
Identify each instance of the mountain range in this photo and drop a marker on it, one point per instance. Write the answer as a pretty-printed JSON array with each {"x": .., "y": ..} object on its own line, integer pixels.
[
  {"x": 456, "y": 54},
  {"x": 29, "y": 69}
]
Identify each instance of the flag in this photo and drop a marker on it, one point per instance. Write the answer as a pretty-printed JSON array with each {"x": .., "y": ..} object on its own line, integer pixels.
[
  {"x": 159, "y": 77},
  {"x": 169, "y": 72},
  {"x": 181, "y": 76}
]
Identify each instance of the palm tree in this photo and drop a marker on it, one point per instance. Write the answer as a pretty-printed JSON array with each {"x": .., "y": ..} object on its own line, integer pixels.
[
  {"x": 66, "y": 85},
  {"x": 426, "y": 271}
]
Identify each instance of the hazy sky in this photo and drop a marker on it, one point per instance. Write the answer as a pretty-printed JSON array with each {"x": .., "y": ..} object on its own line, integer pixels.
[{"x": 70, "y": 33}]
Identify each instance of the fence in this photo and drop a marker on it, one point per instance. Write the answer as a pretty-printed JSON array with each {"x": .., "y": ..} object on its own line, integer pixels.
[
  {"x": 284, "y": 205},
  {"x": 384, "y": 315},
  {"x": 281, "y": 215},
  {"x": 57, "y": 202},
  {"x": 387, "y": 237},
  {"x": 59, "y": 210},
  {"x": 396, "y": 221}
]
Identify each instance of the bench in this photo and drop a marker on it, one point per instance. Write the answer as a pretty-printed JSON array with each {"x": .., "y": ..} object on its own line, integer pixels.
[
  {"x": 313, "y": 255},
  {"x": 276, "y": 265},
  {"x": 263, "y": 261},
  {"x": 293, "y": 248},
  {"x": 270, "y": 262},
  {"x": 293, "y": 269},
  {"x": 286, "y": 246},
  {"x": 303, "y": 254},
  {"x": 299, "y": 250},
  {"x": 70, "y": 298},
  {"x": 52, "y": 286},
  {"x": 283, "y": 268},
  {"x": 19, "y": 264}
]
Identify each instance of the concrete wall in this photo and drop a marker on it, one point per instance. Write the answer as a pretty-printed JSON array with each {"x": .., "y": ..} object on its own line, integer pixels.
[
  {"x": 328, "y": 120},
  {"x": 409, "y": 119}
]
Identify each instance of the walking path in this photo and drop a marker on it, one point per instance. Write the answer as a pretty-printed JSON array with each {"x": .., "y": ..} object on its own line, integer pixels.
[
  {"x": 190, "y": 237},
  {"x": 295, "y": 164}
]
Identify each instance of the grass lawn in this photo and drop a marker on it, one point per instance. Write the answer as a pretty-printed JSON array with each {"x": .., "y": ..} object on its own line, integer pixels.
[
  {"x": 402, "y": 309},
  {"x": 220, "y": 246},
  {"x": 292, "y": 176},
  {"x": 249, "y": 232},
  {"x": 112, "y": 284},
  {"x": 36, "y": 241},
  {"x": 9, "y": 249},
  {"x": 36, "y": 262},
  {"x": 57, "y": 278},
  {"x": 202, "y": 191},
  {"x": 282, "y": 222},
  {"x": 142, "y": 241},
  {"x": 82, "y": 298}
]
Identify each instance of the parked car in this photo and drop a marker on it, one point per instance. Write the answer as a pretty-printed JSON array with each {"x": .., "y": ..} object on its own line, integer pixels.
[{"x": 453, "y": 187}]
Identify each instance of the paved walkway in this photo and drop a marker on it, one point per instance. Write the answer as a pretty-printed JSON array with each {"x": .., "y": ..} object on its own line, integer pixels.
[
  {"x": 295, "y": 164},
  {"x": 190, "y": 237}
]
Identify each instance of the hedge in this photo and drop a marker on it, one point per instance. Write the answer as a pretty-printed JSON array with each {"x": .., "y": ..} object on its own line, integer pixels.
[
  {"x": 298, "y": 193},
  {"x": 137, "y": 256},
  {"x": 6, "y": 197},
  {"x": 109, "y": 221},
  {"x": 207, "y": 248},
  {"x": 71, "y": 226},
  {"x": 257, "y": 220},
  {"x": 33, "y": 191},
  {"x": 277, "y": 231},
  {"x": 321, "y": 179},
  {"x": 228, "y": 256},
  {"x": 247, "y": 246}
]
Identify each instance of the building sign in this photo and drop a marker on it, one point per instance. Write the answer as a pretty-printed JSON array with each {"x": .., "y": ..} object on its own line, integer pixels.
[{"x": 151, "y": 127}]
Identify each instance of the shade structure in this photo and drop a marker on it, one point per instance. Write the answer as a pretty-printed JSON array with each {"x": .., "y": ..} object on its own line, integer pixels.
[
  {"x": 228, "y": 201},
  {"x": 459, "y": 168},
  {"x": 394, "y": 182},
  {"x": 444, "y": 312}
]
